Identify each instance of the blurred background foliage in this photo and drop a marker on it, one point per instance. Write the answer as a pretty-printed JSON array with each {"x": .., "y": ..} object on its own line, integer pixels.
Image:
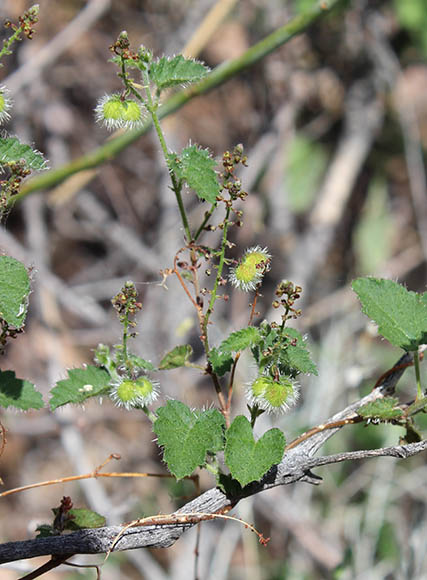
[{"x": 335, "y": 127}]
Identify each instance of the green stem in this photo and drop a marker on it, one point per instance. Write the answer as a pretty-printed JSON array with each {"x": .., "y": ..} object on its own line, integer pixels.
[
  {"x": 152, "y": 416},
  {"x": 176, "y": 185},
  {"x": 207, "y": 217},
  {"x": 216, "y": 78},
  {"x": 217, "y": 279},
  {"x": 7, "y": 43},
  {"x": 213, "y": 468},
  {"x": 125, "y": 337},
  {"x": 418, "y": 376}
]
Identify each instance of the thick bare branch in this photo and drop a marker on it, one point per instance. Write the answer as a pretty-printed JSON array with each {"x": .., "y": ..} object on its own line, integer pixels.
[{"x": 296, "y": 466}]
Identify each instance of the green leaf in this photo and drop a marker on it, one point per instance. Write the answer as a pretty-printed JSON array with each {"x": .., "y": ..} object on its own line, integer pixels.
[
  {"x": 401, "y": 315},
  {"x": 177, "y": 357},
  {"x": 80, "y": 385},
  {"x": 249, "y": 460},
  {"x": 12, "y": 150},
  {"x": 170, "y": 72},
  {"x": 297, "y": 358},
  {"x": 221, "y": 362},
  {"x": 187, "y": 436},
  {"x": 240, "y": 340},
  {"x": 14, "y": 291},
  {"x": 18, "y": 393},
  {"x": 84, "y": 518},
  {"x": 141, "y": 363},
  {"x": 382, "y": 409},
  {"x": 195, "y": 166}
]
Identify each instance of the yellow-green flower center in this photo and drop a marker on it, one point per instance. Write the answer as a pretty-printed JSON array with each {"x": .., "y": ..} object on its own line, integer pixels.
[
  {"x": 245, "y": 272},
  {"x": 131, "y": 111},
  {"x": 260, "y": 385},
  {"x": 128, "y": 390},
  {"x": 277, "y": 394},
  {"x": 255, "y": 258},
  {"x": 118, "y": 110}
]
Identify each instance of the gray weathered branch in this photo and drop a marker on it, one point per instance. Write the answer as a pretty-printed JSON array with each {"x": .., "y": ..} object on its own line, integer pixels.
[{"x": 296, "y": 466}]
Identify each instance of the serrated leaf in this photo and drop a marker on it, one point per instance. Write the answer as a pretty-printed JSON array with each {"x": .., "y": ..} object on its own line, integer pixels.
[
  {"x": 240, "y": 340},
  {"x": 221, "y": 362},
  {"x": 175, "y": 358},
  {"x": 14, "y": 291},
  {"x": 297, "y": 357},
  {"x": 195, "y": 166},
  {"x": 84, "y": 518},
  {"x": 382, "y": 409},
  {"x": 12, "y": 150},
  {"x": 169, "y": 72},
  {"x": 401, "y": 315},
  {"x": 187, "y": 436},
  {"x": 80, "y": 385},
  {"x": 247, "y": 459},
  {"x": 18, "y": 393}
]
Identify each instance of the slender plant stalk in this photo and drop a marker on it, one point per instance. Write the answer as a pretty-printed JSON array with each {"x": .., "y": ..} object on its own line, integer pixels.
[
  {"x": 418, "y": 376},
  {"x": 175, "y": 183},
  {"x": 216, "y": 78},
  {"x": 217, "y": 280}
]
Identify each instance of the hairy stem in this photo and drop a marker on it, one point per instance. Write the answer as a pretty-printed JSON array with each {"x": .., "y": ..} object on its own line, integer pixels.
[{"x": 176, "y": 186}]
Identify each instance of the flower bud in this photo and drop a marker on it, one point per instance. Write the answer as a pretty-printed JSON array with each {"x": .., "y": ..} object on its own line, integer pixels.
[
  {"x": 134, "y": 393},
  {"x": 251, "y": 269},
  {"x": 116, "y": 113},
  {"x": 273, "y": 396}
]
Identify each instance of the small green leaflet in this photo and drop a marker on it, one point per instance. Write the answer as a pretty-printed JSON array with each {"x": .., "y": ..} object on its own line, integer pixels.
[
  {"x": 221, "y": 362},
  {"x": 175, "y": 358},
  {"x": 12, "y": 150},
  {"x": 18, "y": 393},
  {"x": 240, "y": 340},
  {"x": 14, "y": 291},
  {"x": 74, "y": 519},
  {"x": 140, "y": 363},
  {"x": 297, "y": 358},
  {"x": 247, "y": 459},
  {"x": 84, "y": 518},
  {"x": 169, "y": 72},
  {"x": 401, "y": 315},
  {"x": 195, "y": 166},
  {"x": 383, "y": 409},
  {"x": 187, "y": 436},
  {"x": 80, "y": 385}
]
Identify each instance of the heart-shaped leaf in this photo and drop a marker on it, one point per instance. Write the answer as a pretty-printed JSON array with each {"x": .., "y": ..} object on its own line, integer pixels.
[
  {"x": 247, "y": 459},
  {"x": 187, "y": 436}
]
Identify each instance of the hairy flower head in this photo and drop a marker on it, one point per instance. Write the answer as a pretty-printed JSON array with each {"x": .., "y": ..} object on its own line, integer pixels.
[
  {"x": 273, "y": 396},
  {"x": 5, "y": 104},
  {"x": 137, "y": 393},
  {"x": 114, "y": 112},
  {"x": 251, "y": 269}
]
